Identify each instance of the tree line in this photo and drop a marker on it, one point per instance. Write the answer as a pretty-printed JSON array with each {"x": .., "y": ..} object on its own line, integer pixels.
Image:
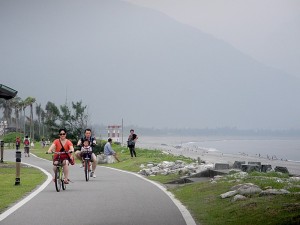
[{"x": 43, "y": 122}]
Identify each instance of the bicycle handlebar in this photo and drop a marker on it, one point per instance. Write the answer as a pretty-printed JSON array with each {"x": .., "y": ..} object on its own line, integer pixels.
[{"x": 58, "y": 153}]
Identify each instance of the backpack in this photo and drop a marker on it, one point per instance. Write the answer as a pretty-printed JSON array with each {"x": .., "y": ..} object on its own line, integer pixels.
[{"x": 26, "y": 142}]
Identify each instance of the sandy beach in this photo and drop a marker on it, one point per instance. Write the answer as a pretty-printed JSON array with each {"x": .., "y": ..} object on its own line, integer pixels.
[{"x": 210, "y": 156}]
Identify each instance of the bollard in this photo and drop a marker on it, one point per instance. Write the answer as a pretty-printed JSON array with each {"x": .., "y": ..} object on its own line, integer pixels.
[
  {"x": 18, "y": 167},
  {"x": 2, "y": 151}
]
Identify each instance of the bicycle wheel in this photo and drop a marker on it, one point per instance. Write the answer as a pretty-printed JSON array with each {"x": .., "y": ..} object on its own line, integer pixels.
[
  {"x": 57, "y": 179},
  {"x": 63, "y": 185},
  {"x": 86, "y": 169}
]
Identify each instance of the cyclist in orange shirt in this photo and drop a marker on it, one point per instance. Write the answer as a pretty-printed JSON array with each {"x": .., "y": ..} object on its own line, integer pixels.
[{"x": 62, "y": 144}]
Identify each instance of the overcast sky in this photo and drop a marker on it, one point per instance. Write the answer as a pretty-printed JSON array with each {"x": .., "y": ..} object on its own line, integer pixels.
[
  {"x": 268, "y": 30},
  {"x": 177, "y": 64}
]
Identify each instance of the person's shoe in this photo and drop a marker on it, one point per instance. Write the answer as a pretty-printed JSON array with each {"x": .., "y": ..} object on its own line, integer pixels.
[{"x": 93, "y": 174}]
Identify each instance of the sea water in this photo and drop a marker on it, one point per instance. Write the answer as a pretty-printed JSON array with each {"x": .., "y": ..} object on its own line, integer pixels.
[
  {"x": 272, "y": 148},
  {"x": 283, "y": 149}
]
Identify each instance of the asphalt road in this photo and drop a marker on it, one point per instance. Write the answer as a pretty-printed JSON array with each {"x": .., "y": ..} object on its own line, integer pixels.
[{"x": 114, "y": 197}]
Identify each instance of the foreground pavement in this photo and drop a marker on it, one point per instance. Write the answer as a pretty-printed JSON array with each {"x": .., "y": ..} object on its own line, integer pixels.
[{"x": 114, "y": 197}]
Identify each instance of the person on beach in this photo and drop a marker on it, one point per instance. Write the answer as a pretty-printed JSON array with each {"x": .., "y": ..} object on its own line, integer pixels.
[
  {"x": 62, "y": 144},
  {"x": 109, "y": 151},
  {"x": 131, "y": 143},
  {"x": 78, "y": 154}
]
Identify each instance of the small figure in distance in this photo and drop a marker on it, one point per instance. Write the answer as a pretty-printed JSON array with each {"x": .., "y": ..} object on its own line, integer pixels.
[
  {"x": 109, "y": 151},
  {"x": 88, "y": 136},
  {"x": 131, "y": 143},
  {"x": 26, "y": 143},
  {"x": 18, "y": 143},
  {"x": 62, "y": 144}
]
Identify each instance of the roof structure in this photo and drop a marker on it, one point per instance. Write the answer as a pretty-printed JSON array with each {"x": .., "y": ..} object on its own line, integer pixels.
[{"x": 7, "y": 92}]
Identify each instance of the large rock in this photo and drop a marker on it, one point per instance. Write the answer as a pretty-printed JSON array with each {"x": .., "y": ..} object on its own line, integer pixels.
[
  {"x": 266, "y": 168},
  {"x": 101, "y": 159},
  {"x": 256, "y": 163},
  {"x": 238, "y": 198},
  {"x": 238, "y": 164},
  {"x": 246, "y": 189},
  {"x": 250, "y": 167},
  {"x": 228, "y": 194},
  {"x": 274, "y": 192},
  {"x": 281, "y": 169},
  {"x": 221, "y": 166}
]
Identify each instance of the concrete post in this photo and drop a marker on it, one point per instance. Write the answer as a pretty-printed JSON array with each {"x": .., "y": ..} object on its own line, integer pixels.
[
  {"x": 2, "y": 151},
  {"x": 18, "y": 167}
]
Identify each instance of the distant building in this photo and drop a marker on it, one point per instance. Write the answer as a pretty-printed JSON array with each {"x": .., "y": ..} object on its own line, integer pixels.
[{"x": 113, "y": 132}]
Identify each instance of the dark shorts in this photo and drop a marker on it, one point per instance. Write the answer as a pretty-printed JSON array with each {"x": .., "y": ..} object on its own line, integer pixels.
[{"x": 26, "y": 149}]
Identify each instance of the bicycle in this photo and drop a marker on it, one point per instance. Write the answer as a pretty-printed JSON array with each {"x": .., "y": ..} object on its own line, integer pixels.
[
  {"x": 59, "y": 173},
  {"x": 87, "y": 155}
]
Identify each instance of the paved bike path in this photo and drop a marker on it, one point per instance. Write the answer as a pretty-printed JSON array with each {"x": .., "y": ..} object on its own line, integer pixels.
[{"x": 114, "y": 197}]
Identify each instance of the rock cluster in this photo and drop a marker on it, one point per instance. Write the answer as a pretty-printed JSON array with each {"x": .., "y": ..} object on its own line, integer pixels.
[
  {"x": 166, "y": 167},
  {"x": 242, "y": 191}
]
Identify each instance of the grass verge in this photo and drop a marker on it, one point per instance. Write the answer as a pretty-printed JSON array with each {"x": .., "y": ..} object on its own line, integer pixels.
[{"x": 9, "y": 192}]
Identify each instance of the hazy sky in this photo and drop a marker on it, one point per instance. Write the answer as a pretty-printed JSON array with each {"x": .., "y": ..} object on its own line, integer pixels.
[
  {"x": 268, "y": 30},
  {"x": 146, "y": 66}
]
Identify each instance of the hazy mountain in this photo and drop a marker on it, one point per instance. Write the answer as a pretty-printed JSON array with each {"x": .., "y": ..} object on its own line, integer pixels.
[{"x": 134, "y": 63}]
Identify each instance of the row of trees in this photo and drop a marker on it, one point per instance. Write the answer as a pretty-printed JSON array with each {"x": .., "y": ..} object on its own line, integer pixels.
[{"x": 47, "y": 120}]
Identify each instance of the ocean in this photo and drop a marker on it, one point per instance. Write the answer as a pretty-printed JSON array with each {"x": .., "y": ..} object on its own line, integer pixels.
[{"x": 272, "y": 148}]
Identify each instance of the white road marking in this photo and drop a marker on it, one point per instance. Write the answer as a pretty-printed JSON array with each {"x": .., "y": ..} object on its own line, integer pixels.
[{"x": 30, "y": 196}]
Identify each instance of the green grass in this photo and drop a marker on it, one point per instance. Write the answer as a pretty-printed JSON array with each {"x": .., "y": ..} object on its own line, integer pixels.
[
  {"x": 203, "y": 199},
  {"x": 9, "y": 192},
  {"x": 207, "y": 207}
]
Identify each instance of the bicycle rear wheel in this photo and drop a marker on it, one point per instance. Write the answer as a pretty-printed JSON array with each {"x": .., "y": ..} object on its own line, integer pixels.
[
  {"x": 86, "y": 169},
  {"x": 57, "y": 179}
]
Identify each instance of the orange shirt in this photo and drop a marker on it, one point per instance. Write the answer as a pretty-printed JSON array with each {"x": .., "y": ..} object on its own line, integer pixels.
[{"x": 58, "y": 146}]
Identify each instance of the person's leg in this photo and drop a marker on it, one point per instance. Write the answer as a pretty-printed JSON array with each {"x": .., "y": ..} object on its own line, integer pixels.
[
  {"x": 116, "y": 157},
  {"x": 94, "y": 163},
  {"x": 66, "y": 170},
  {"x": 131, "y": 152},
  {"x": 54, "y": 169},
  {"x": 78, "y": 156}
]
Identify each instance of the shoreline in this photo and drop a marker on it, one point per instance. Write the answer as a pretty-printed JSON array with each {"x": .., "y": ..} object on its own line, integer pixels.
[{"x": 211, "y": 156}]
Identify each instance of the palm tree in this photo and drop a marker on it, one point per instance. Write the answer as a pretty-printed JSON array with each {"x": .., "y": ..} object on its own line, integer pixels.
[
  {"x": 38, "y": 111},
  {"x": 16, "y": 104},
  {"x": 5, "y": 104},
  {"x": 43, "y": 115},
  {"x": 30, "y": 101},
  {"x": 24, "y": 105}
]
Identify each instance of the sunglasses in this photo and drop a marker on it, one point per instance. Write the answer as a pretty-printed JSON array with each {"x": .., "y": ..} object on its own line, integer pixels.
[{"x": 62, "y": 134}]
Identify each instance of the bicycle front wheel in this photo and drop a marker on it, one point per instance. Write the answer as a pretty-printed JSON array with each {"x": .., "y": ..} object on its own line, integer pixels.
[
  {"x": 57, "y": 179},
  {"x": 86, "y": 169},
  {"x": 63, "y": 185}
]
